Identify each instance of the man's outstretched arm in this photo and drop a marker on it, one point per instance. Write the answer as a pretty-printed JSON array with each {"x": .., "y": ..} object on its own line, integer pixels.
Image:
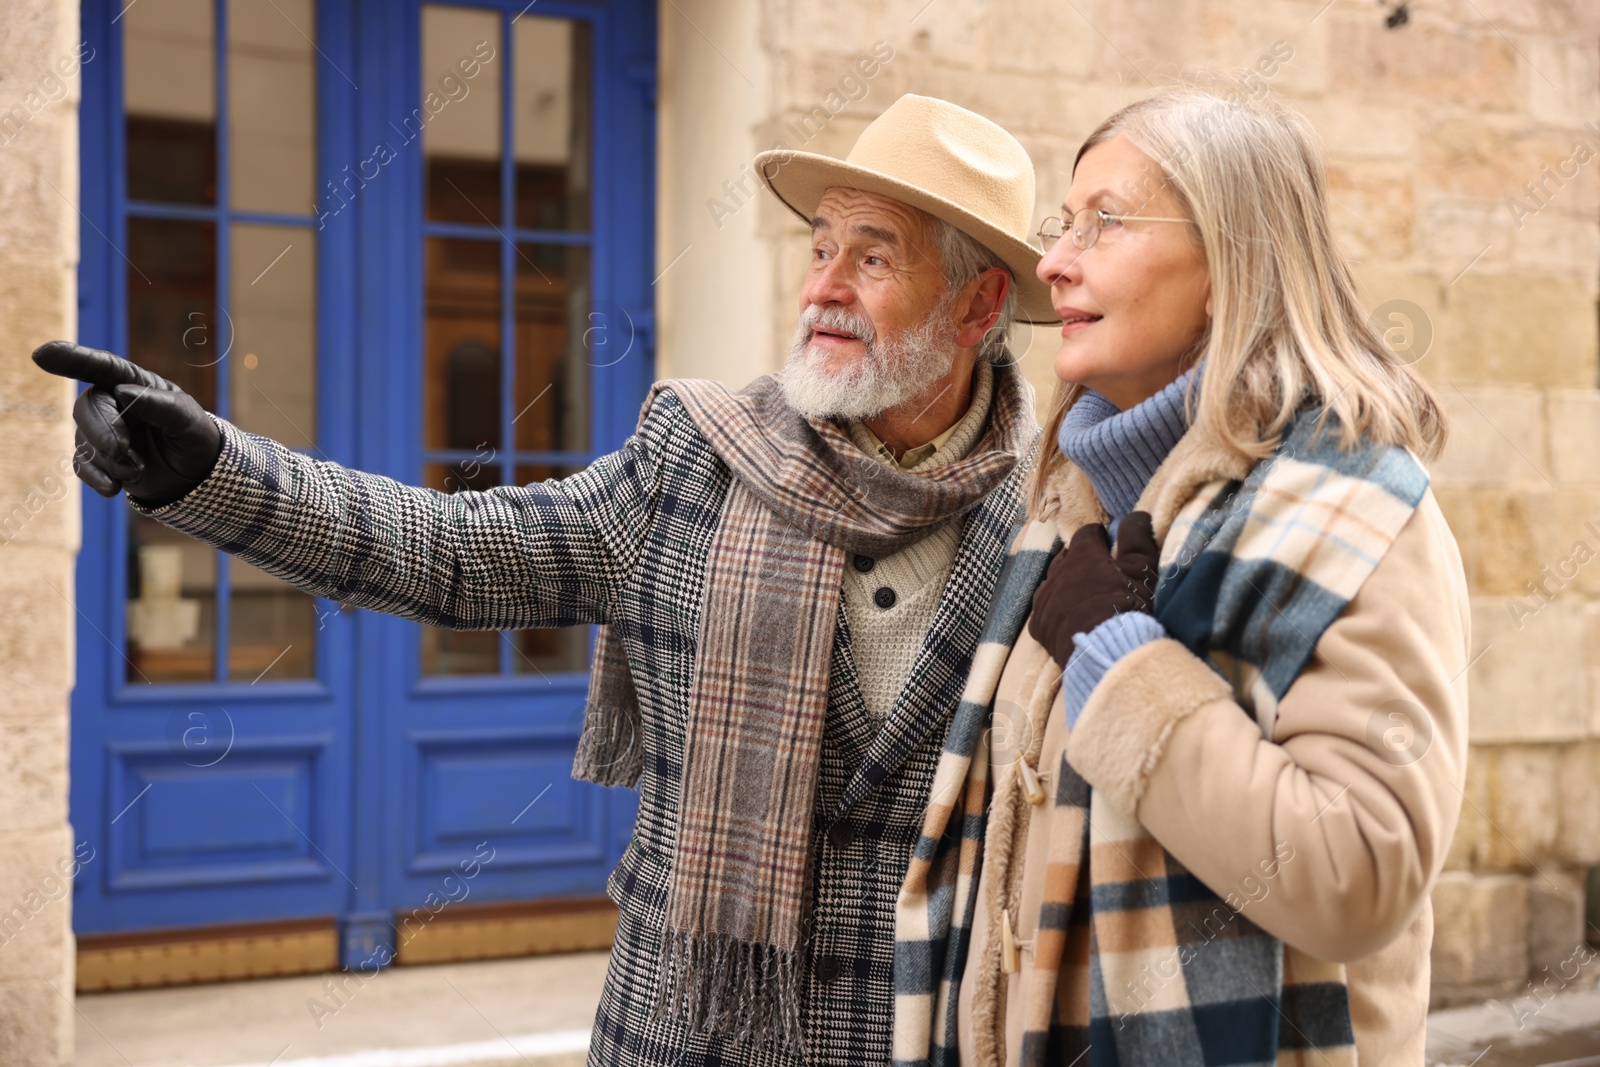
[{"x": 549, "y": 554}]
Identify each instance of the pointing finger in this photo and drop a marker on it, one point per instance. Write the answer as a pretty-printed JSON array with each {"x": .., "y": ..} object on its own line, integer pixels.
[{"x": 90, "y": 365}]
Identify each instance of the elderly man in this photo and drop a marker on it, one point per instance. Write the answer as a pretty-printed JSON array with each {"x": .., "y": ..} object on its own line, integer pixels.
[{"x": 792, "y": 579}]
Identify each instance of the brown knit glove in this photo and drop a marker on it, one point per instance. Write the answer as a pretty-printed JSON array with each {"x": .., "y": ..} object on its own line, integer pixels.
[{"x": 1086, "y": 585}]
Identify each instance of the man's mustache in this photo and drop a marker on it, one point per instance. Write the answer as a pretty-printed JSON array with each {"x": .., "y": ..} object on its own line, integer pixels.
[{"x": 837, "y": 318}]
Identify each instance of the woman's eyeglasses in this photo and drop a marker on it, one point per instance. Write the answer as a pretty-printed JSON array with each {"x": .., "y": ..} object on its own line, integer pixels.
[{"x": 1086, "y": 227}]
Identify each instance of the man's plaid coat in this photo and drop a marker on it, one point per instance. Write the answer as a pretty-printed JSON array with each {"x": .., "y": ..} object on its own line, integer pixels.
[{"x": 625, "y": 543}]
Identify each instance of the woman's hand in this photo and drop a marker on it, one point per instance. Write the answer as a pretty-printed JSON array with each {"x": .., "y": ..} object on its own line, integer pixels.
[{"x": 1086, "y": 585}]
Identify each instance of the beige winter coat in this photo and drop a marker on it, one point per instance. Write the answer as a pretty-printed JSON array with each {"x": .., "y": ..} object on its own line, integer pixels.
[{"x": 1162, "y": 736}]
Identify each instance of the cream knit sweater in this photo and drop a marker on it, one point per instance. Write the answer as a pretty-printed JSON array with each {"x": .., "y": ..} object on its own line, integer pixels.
[{"x": 886, "y": 640}]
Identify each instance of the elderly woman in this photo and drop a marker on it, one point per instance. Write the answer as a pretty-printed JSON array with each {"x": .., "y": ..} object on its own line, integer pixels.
[{"x": 1199, "y": 787}]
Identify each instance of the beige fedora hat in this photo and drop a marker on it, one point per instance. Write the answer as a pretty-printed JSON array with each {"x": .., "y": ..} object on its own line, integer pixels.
[{"x": 952, "y": 163}]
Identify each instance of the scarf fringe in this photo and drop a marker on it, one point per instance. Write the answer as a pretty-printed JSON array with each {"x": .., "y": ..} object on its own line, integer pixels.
[
  {"x": 609, "y": 752},
  {"x": 735, "y": 989}
]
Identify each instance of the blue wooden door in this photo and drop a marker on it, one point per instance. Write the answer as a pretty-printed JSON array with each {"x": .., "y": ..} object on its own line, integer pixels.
[
  {"x": 520, "y": 349},
  {"x": 413, "y": 238}
]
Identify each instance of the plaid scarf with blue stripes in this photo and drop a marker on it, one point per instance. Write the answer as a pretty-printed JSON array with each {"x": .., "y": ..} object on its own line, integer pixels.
[{"x": 1253, "y": 571}]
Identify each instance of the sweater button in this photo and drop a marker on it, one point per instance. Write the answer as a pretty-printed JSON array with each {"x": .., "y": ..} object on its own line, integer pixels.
[
  {"x": 828, "y": 969},
  {"x": 864, "y": 563},
  {"x": 884, "y": 598},
  {"x": 841, "y": 835}
]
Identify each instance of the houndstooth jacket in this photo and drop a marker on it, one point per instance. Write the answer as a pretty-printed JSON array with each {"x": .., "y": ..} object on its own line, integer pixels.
[{"x": 625, "y": 543}]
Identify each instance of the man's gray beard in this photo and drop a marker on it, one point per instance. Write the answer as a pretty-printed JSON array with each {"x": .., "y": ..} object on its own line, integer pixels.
[{"x": 889, "y": 373}]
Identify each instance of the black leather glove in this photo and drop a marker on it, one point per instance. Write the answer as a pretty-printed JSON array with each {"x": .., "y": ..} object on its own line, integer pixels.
[
  {"x": 136, "y": 430},
  {"x": 1085, "y": 585}
]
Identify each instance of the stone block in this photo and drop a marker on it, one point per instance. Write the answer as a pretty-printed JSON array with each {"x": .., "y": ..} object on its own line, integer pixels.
[
  {"x": 1592, "y": 623},
  {"x": 1533, "y": 548},
  {"x": 832, "y": 81},
  {"x": 1372, "y": 209},
  {"x": 1557, "y": 241},
  {"x": 1555, "y": 924},
  {"x": 37, "y": 636},
  {"x": 1570, "y": 19},
  {"x": 1279, "y": 43},
  {"x": 1551, "y": 170},
  {"x": 1079, "y": 108},
  {"x": 39, "y": 494},
  {"x": 1468, "y": 159},
  {"x": 36, "y": 902},
  {"x": 38, "y": 190},
  {"x": 1430, "y": 63},
  {"x": 1052, "y": 154},
  {"x": 1039, "y": 37},
  {"x": 1530, "y": 548},
  {"x": 1470, "y": 842},
  {"x": 1492, "y": 159},
  {"x": 1479, "y": 930},
  {"x": 37, "y": 303},
  {"x": 1519, "y": 804},
  {"x": 1411, "y": 302},
  {"x": 1574, "y": 421},
  {"x": 1497, "y": 532},
  {"x": 805, "y": 131},
  {"x": 1143, "y": 40},
  {"x": 33, "y": 769},
  {"x": 1497, "y": 437},
  {"x": 937, "y": 32},
  {"x": 1351, "y": 130},
  {"x": 1578, "y": 804},
  {"x": 1518, "y": 327},
  {"x": 1021, "y": 103},
  {"x": 1563, "y": 81},
  {"x": 1531, "y": 684},
  {"x": 1568, "y": 546},
  {"x": 33, "y": 34},
  {"x": 36, "y": 1024},
  {"x": 1456, "y": 232}
]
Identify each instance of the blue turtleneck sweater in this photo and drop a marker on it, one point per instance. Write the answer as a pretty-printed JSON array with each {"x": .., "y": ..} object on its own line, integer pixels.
[{"x": 1119, "y": 451}]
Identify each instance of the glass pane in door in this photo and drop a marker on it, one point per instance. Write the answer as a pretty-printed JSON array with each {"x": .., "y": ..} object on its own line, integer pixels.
[
  {"x": 272, "y": 627},
  {"x": 460, "y": 114},
  {"x": 169, "y": 92},
  {"x": 272, "y": 100},
  {"x": 172, "y": 297},
  {"x": 272, "y": 330},
  {"x": 171, "y": 605},
  {"x": 461, "y": 344},
  {"x": 553, "y": 322},
  {"x": 551, "y": 87}
]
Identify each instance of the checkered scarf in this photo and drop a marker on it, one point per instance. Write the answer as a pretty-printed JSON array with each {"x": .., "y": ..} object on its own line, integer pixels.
[
  {"x": 1252, "y": 573},
  {"x": 802, "y": 496}
]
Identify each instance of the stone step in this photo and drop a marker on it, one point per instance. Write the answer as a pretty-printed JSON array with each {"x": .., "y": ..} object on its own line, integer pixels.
[{"x": 531, "y": 1011}]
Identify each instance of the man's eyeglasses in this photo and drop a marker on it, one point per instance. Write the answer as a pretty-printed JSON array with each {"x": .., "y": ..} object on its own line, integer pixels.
[{"x": 1086, "y": 227}]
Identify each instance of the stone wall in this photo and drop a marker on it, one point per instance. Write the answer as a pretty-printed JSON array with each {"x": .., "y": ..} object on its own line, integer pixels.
[
  {"x": 1463, "y": 150},
  {"x": 39, "y": 524}
]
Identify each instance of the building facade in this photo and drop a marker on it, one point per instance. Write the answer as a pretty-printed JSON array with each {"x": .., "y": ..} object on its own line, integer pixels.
[{"x": 453, "y": 242}]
